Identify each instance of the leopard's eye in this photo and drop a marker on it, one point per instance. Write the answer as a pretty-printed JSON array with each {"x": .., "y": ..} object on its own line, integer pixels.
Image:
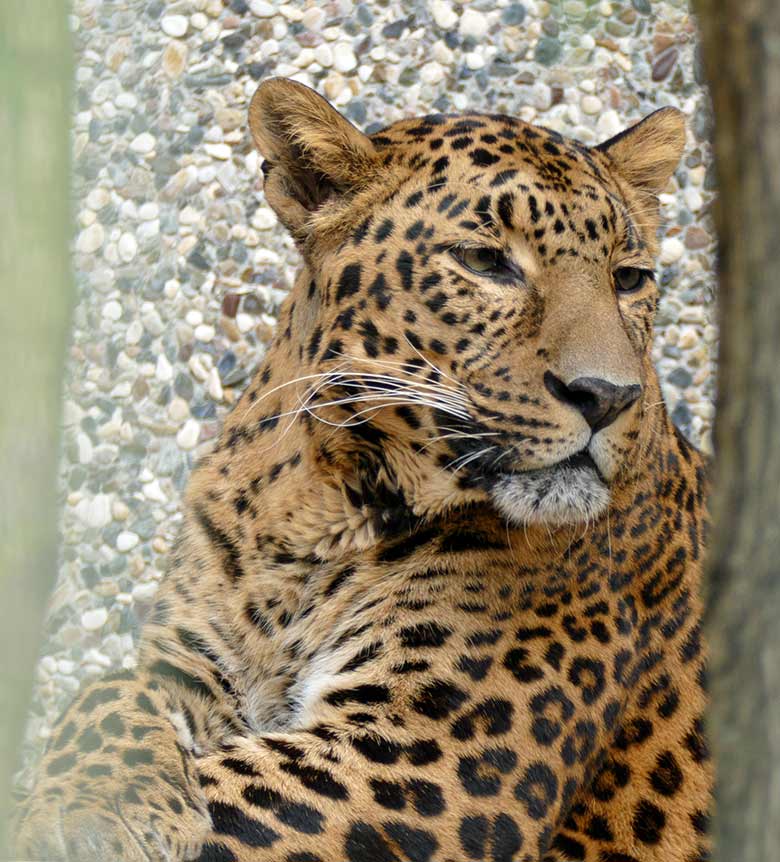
[
  {"x": 630, "y": 279},
  {"x": 482, "y": 260}
]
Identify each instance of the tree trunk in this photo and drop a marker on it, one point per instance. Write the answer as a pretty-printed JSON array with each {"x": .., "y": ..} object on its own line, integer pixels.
[
  {"x": 35, "y": 75},
  {"x": 741, "y": 44}
]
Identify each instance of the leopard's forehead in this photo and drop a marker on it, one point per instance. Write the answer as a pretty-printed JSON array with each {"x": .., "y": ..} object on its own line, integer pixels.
[
  {"x": 495, "y": 143},
  {"x": 559, "y": 194},
  {"x": 472, "y": 123}
]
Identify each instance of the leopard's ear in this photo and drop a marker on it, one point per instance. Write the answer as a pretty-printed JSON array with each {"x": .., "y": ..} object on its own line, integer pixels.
[
  {"x": 311, "y": 152},
  {"x": 648, "y": 153}
]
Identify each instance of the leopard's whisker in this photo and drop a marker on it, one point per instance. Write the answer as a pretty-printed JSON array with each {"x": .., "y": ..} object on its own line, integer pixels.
[
  {"x": 359, "y": 377},
  {"x": 428, "y": 362},
  {"x": 318, "y": 376},
  {"x": 405, "y": 366},
  {"x": 310, "y": 394},
  {"x": 348, "y": 423},
  {"x": 496, "y": 461},
  {"x": 459, "y": 436},
  {"x": 417, "y": 394},
  {"x": 407, "y": 392},
  {"x": 467, "y": 458},
  {"x": 376, "y": 381},
  {"x": 380, "y": 383}
]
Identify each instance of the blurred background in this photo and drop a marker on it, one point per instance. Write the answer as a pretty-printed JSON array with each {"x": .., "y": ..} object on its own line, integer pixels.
[{"x": 178, "y": 266}]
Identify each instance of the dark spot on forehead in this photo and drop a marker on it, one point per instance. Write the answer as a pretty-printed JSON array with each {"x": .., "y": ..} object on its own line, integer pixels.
[{"x": 483, "y": 158}]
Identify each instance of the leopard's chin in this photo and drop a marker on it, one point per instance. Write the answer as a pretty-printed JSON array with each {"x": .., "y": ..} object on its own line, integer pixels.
[{"x": 571, "y": 492}]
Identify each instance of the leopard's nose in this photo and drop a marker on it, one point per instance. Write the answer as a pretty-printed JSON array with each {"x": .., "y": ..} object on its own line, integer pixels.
[{"x": 599, "y": 401}]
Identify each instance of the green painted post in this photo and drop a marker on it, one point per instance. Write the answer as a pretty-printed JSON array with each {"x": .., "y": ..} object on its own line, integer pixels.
[{"x": 36, "y": 296}]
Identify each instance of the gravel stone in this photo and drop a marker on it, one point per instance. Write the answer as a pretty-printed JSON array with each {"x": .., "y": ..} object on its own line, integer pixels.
[
  {"x": 609, "y": 124},
  {"x": 473, "y": 24},
  {"x": 163, "y": 370},
  {"x": 214, "y": 385},
  {"x": 264, "y": 218},
  {"x": 443, "y": 14},
  {"x": 98, "y": 198},
  {"x": 218, "y": 151},
  {"x": 97, "y": 511},
  {"x": 344, "y": 59},
  {"x": 183, "y": 386},
  {"x": 174, "y": 25},
  {"x": 682, "y": 417},
  {"x": 187, "y": 438},
  {"x": 514, "y": 14},
  {"x": 432, "y": 73},
  {"x": 591, "y": 104},
  {"x": 112, "y": 310},
  {"x": 119, "y": 511},
  {"x": 95, "y": 619},
  {"x": 127, "y": 247},
  {"x": 143, "y": 143},
  {"x": 153, "y": 491},
  {"x": 144, "y": 593},
  {"x": 680, "y": 377},
  {"x": 90, "y": 239},
  {"x": 664, "y": 63},
  {"x": 548, "y": 51},
  {"x": 230, "y": 304},
  {"x": 126, "y": 541},
  {"x": 84, "y": 449},
  {"x": 323, "y": 54},
  {"x": 671, "y": 250},
  {"x": 174, "y": 59},
  {"x": 696, "y": 237},
  {"x": 261, "y": 9},
  {"x": 475, "y": 60}
]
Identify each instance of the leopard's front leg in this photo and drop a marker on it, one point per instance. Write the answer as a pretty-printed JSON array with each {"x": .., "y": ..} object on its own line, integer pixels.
[{"x": 118, "y": 781}]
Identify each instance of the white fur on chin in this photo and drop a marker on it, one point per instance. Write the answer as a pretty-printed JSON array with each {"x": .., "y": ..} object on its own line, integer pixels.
[{"x": 554, "y": 496}]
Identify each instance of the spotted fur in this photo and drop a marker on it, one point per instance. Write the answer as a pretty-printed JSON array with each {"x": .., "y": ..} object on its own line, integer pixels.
[{"x": 437, "y": 593}]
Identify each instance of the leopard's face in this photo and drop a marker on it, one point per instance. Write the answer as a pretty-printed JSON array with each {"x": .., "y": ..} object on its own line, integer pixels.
[{"x": 483, "y": 305}]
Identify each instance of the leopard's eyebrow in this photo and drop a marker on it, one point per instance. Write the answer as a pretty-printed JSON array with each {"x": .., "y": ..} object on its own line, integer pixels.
[{"x": 476, "y": 239}]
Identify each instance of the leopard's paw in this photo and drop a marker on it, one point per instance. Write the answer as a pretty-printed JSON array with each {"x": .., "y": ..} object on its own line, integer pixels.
[{"x": 129, "y": 826}]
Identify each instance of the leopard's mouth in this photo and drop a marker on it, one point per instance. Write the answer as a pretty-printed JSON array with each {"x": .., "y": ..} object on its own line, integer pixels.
[
  {"x": 571, "y": 491},
  {"x": 581, "y": 459}
]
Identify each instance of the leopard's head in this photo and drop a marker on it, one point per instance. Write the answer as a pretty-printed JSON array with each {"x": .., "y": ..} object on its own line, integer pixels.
[{"x": 478, "y": 300}]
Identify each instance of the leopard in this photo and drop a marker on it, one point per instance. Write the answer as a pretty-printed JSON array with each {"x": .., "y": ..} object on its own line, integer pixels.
[{"x": 437, "y": 594}]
